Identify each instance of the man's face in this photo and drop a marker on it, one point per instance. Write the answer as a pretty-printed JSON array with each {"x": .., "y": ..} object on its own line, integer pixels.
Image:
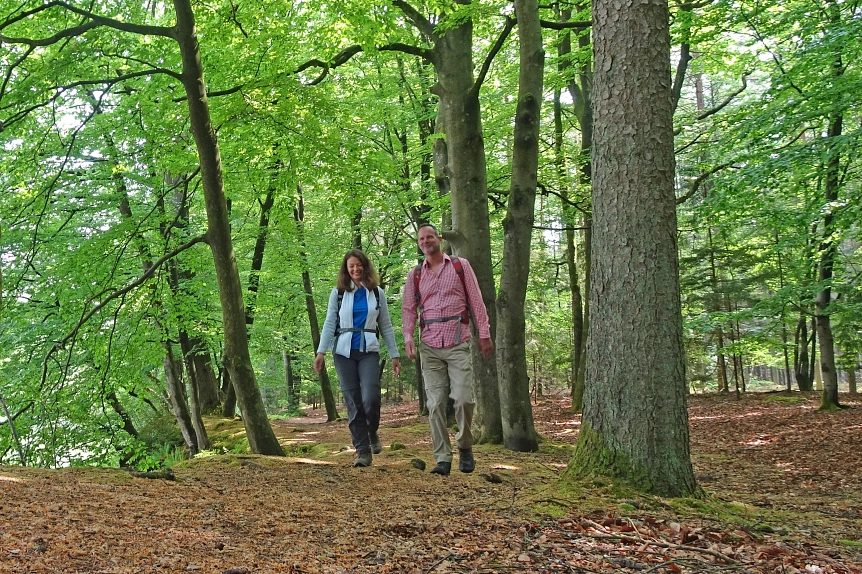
[{"x": 429, "y": 241}]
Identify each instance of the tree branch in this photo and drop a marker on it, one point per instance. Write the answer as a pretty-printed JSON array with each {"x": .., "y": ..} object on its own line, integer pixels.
[
  {"x": 417, "y": 19},
  {"x": 706, "y": 113},
  {"x": 695, "y": 185},
  {"x": 498, "y": 45},
  {"x": 423, "y": 53},
  {"x": 77, "y": 30},
  {"x": 100, "y": 305},
  {"x": 681, "y": 68},
  {"x": 565, "y": 25}
]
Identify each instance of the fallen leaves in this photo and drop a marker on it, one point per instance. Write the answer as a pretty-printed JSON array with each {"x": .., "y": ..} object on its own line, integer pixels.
[{"x": 230, "y": 515}]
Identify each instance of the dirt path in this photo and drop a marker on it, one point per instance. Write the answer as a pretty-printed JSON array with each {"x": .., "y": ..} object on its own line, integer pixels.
[{"x": 784, "y": 483}]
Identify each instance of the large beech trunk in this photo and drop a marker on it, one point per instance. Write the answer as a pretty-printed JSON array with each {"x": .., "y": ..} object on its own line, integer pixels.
[{"x": 470, "y": 237}]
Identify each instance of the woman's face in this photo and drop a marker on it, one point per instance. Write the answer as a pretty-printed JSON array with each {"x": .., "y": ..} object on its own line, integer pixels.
[{"x": 355, "y": 269}]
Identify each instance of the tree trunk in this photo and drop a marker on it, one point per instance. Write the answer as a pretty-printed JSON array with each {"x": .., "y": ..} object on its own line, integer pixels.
[
  {"x": 176, "y": 393},
  {"x": 229, "y": 408},
  {"x": 851, "y": 380},
  {"x": 175, "y": 278},
  {"x": 208, "y": 391},
  {"x": 828, "y": 253},
  {"x": 291, "y": 383},
  {"x": 582, "y": 99},
  {"x": 194, "y": 394},
  {"x": 202, "y": 441},
  {"x": 801, "y": 360},
  {"x": 311, "y": 309},
  {"x": 580, "y": 93},
  {"x": 237, "y": 359},
  {"x": 121, "y": 411},
  {"x": 519, "y": 434},
  {"x": 635, "y": 423},
  {"x": 259, "y": 250},
  {"x": 714, "y": 305},
  {"x": 470, "y": 237}
]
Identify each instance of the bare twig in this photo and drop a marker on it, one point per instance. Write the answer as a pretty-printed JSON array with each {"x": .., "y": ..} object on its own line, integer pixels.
[{"x": 631, "y": 540}]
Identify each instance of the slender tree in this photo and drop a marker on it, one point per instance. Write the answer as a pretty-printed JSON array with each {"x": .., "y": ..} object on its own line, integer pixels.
[{"x": 517, "y": 416}]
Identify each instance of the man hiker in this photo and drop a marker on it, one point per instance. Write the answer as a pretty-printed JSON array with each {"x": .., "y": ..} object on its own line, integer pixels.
[{"x": 444, "y": 295}]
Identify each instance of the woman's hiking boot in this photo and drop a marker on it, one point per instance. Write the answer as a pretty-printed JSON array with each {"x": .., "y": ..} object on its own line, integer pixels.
[
  {"x": 376, "y": 444},
  {"x": 362, "y": 459}
]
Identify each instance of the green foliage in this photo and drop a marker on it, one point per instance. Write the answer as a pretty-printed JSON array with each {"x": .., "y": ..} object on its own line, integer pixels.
[
  {"x": 95, "y": 136},
  {"x": 161, "y": 431}
]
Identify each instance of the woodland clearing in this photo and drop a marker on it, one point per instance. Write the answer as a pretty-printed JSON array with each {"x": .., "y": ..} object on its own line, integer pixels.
[{"x": 782, "y": 480}]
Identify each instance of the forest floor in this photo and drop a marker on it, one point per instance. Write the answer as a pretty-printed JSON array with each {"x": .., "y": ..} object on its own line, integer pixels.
[{"x": 783, "y": 486}]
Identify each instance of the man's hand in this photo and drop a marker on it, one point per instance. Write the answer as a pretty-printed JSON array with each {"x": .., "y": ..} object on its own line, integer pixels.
[
  {"x": 487, "y": 347},
  {"x": 410, "y": 349},
  {"x": 396, "y": 367},
  {"x": 318, "y": 363}
]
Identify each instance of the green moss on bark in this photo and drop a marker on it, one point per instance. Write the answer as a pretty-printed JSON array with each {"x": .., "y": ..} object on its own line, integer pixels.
[{"x": 594, "y": 458}]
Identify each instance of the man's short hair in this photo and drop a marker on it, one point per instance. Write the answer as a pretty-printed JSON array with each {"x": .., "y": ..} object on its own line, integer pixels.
[{"x": 432, "y": 226}]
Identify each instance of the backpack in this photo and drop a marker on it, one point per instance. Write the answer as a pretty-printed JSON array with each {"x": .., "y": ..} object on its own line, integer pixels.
[
  {"x": 466, "y": 315},
  {"x": 338, "y": 330}
]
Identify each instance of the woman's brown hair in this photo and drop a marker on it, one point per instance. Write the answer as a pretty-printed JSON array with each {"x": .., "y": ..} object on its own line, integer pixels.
[{"x": 369, "y": 276}]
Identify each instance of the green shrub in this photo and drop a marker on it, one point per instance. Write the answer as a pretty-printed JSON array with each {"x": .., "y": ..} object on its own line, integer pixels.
[{"x": 160, "y": 431}]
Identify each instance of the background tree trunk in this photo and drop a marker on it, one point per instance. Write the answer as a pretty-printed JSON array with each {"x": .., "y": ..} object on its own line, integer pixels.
[
  {"x": 471, "y": 238},
  {"x": 828, "y": 253},
  {"x": 176, "y": 393},
  {"x": 519, "y": 434},
  {"x": 237, "y": 360},
  {"x": 311, "y": 309},
  {"x": 635, "y": 423}
]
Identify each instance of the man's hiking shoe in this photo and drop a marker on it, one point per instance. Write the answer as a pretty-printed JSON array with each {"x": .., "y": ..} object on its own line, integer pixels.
[
  {"x": 376, "y": 444},
  {"x": 362, "y": 459},
  {"x": 466, "y": 462},
  {"x": 442, "y": 468}
]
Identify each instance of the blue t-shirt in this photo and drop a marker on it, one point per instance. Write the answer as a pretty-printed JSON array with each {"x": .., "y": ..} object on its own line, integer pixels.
[{"x": 360, "y": 314}]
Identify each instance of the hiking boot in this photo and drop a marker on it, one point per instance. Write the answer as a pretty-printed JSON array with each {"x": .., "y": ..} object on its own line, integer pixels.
[
  {"x": 362, "y": 459},
  {"x": 466, "y": 462},
  {"x": 376, "y": 444},
  {"x": 442, "y": 468}
]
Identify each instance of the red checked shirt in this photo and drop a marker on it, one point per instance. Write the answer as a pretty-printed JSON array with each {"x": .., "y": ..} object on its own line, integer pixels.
[{"x": 442, "y": 295}]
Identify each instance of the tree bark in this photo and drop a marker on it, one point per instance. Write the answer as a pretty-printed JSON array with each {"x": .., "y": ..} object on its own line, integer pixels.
[
  {"x": 519, "y": 433},
  {"x": 470, "y": 237},
  {"x": 635, "y": 423},
  {"x": 237, "y": 359},
  {"x": 176, "y": 393},
  {"x": 828, "y": 253},
  {"x": 311, "y": 309}
]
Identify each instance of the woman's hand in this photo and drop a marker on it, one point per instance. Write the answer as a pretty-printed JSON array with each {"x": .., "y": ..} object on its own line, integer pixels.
[
  {"x": 396, "y": 367},
  {"x": 318, "y": 363}
]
